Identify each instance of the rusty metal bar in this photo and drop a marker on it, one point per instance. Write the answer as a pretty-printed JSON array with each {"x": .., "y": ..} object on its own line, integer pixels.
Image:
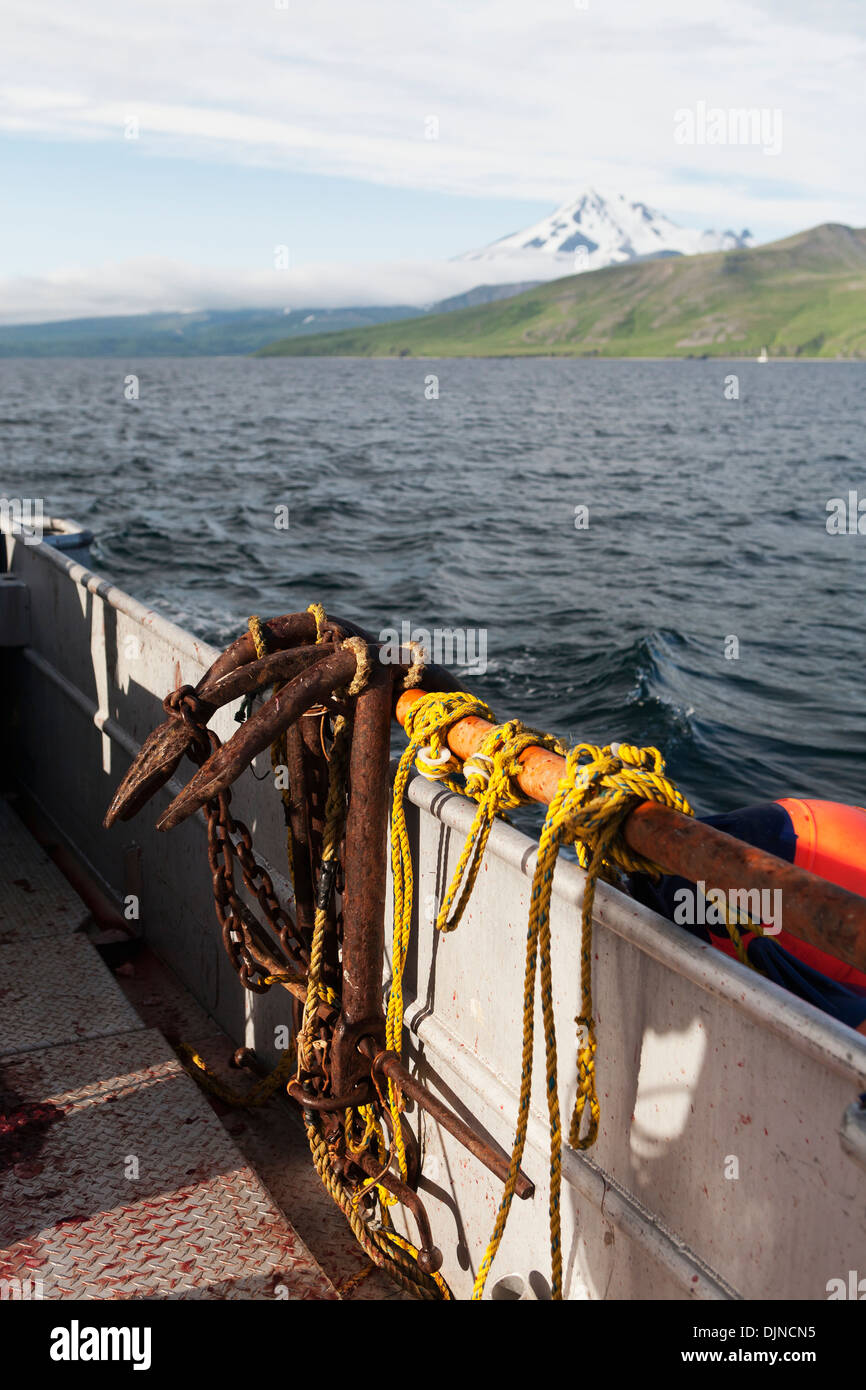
[
  {"x": 237, "y": 671},
  {"x": 362, "y": 1014},
  {"x": 299, "y": 829},
  {"x": 389, "y": 1064},
  {"x": 275, "y": 668},
  {"x": 228, "y": 762},
  {"x": 310, "y": 732},
  {"x": 816, "y": 910},
  {"x": 160, "y": 754},
  {"x": 366, "y": 854},
  {"x": 429, "y": 1255}
]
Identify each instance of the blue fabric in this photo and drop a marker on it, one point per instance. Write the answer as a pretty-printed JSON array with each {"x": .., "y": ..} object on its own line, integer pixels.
[
  {"x": 767, "y": 827},
  {"x": 844, "y": 1002}
]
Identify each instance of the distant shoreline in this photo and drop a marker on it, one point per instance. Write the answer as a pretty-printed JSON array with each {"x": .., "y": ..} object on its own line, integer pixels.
[
  {"x": 537, "y": 357},
  {"x": 411, "y": 357}
]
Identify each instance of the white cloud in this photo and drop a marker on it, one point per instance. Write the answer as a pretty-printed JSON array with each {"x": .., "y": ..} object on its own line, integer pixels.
[
  {"x": 151, "y": 286},
  {"x": 534, "y": 101}
]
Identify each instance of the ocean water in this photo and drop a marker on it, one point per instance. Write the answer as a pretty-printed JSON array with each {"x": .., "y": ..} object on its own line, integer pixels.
[{"x": 457, "y": 511}]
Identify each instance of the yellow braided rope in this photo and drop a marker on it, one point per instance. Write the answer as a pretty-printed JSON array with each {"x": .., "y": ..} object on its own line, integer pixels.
[
  {"x": 593, "y": 798},
  {"x": 332, "y": 834},
  {"x": 390, "y": 1234},
  {"x": 363, "y": 664},
  {"x": 349, "y": 1285},
  {"x": 428, "y": 719},
  {"x": 264, "y": 1088},
  {"x": 416, "y": 670},
  {"x": 733, "y": 930},
  {"x": 496, "y": 790},
  {"x": 326, "y": 994},
  {"x": 321, "y": 618},
  {"x": 378, "y": 1245},
  {"x": 598, "y": 790}
]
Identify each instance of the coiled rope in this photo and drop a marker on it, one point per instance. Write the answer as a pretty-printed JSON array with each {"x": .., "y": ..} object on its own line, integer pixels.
[{"x": 598, "y": 790}]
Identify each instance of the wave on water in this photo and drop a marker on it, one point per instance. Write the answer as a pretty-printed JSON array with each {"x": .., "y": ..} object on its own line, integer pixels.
[{"x": 462, "y": 513}]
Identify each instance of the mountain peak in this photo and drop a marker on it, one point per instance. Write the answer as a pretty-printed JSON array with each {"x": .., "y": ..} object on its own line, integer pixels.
[{"x": 596, "y": 229}]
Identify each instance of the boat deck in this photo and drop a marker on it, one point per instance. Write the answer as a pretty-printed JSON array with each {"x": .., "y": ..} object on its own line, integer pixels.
[{"x": 119, "y": 1178}]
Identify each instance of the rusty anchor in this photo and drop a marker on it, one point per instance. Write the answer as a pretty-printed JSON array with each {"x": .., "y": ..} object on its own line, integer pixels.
[{"x": 310, "y": 678}]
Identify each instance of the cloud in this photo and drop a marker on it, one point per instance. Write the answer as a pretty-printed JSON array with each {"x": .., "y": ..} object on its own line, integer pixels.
[
  {"x": 533, "y": 101},
  {"x": 152, "y": 286}
]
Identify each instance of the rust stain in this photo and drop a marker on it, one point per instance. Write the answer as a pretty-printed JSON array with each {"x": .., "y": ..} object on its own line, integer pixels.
[{"x": 24, "y": 1126}]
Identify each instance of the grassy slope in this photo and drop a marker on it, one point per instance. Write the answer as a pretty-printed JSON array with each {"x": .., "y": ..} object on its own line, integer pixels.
[{"x": 805, "y": 295}]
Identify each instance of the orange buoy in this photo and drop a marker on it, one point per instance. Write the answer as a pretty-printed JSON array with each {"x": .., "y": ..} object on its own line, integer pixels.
[{"x": 831, "y": 840}]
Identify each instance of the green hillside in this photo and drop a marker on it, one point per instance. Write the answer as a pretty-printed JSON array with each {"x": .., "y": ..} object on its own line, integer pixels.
[{"x": 804, "y": 296}]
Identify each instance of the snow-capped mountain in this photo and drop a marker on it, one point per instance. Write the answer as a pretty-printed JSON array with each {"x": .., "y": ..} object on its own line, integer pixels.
[{"x": 597, "y": 230}]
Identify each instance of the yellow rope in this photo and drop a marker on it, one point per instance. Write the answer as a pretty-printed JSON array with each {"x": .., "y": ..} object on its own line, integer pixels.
[
  {"x": 376, "y": 1243},
  {"x": 321, "y": 618},
  {"x": 598, "y": 790},
  {"x": 403, "y": 1244},
  {"x": 733, "y": 930},
  {"x": 426, "y": 722},
  {"x": 332, "y": 834},
  {"x": 415, "y": 672},
  {"x": 491, "y": 777},
  {"x": 257, "y": 1095},
  {"x": 349, "y": 1285},
  {"x": 593, "y": 798},
  {"x": 363, "y": 664}
]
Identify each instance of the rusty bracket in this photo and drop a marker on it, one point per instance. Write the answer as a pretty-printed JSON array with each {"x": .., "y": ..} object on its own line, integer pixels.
[{"x": 388, "y": 1065}]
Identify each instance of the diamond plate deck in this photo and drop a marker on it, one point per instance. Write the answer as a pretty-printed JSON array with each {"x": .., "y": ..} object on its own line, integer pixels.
[
  {"x": 195, "y": 1223},
  {"x": 273, "y": 1141},
  {"x": 58, "y": 991},
  {"x": 35, "y": 898}
]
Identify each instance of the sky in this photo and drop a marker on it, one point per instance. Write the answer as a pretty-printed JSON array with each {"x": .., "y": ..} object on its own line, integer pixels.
[{"x": 155, "y": 156}]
